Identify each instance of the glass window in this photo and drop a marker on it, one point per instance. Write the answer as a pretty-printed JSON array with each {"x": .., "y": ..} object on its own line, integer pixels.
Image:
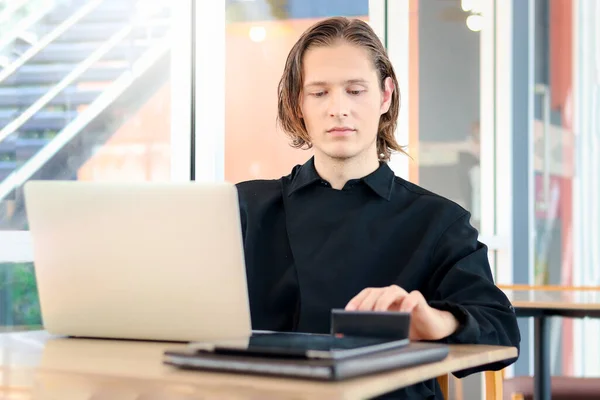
[
  {"x": 449, "y": 95},
  {"x": 88, "y": 92},
  {"x": 85, "y": 94},
  {"x": 19, "y": 302}
]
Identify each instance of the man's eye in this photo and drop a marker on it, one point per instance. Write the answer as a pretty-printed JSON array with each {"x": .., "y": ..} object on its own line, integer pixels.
[{"x": 355, "y": 92}]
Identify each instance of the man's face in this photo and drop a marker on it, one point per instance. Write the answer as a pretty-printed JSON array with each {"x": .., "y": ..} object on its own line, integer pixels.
[{"x": 342, "y": 101}]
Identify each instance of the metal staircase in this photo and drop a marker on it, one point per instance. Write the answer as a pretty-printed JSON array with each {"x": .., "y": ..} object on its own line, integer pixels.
[{"x": 72, "y": 77}]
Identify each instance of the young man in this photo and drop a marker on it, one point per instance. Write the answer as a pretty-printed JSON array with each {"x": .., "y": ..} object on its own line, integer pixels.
[{"x": 342, "y": 230}]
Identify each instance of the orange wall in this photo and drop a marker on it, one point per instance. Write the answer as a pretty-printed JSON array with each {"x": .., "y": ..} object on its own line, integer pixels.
[{"x": 140, "y": 149}]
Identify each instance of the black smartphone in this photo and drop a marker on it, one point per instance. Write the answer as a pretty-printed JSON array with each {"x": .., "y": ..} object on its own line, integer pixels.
[{"x": 380, "y": 324}]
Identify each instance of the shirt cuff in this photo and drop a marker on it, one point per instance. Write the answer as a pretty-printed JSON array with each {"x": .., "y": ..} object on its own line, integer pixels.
[{"x": 468, "y": 327}]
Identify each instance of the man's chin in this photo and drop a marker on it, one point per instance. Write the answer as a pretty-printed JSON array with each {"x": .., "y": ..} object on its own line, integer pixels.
[
  {"x": 339, "y": 152},
  {"x": 341, "y": 155},
  {"x": 343, "y": 151}
]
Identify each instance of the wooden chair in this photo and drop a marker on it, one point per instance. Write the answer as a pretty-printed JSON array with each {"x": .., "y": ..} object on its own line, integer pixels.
[
  {"x": 493, "y": 385},
  {"x": 444, "y": 382}
]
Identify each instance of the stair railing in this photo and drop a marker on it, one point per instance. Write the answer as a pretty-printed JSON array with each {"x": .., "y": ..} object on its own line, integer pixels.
[
  {"x": 47, "y": 39},
  {"x": 26, "y": 171},
  {"x": 12, "y": 7},
  {"x": 25, "y": 24},
  {"x": 18, "y": 177},
  {"x": 40, "y": 103}
]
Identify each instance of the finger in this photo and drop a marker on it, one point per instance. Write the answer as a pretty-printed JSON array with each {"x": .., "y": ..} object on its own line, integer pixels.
[
  {"x": 392, "y": 294},
  {"x": 411, "y": 301},
  {"x": 369, "y": 302},
  {"x": 358, "y": 299}
]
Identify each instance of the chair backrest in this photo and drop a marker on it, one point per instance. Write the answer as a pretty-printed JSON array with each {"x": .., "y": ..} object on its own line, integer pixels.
[{"x": 493, "y": 385}]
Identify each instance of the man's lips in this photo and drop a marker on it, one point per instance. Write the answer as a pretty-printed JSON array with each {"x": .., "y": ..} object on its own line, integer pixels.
[{"x": 340, "y": 131}]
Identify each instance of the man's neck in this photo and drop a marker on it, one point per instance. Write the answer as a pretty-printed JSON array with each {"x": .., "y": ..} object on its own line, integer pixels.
[{"x": 339, "y": 171}]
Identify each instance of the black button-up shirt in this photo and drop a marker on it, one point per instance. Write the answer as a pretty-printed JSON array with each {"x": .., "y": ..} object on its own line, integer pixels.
[{"x": 310, "y": 248}]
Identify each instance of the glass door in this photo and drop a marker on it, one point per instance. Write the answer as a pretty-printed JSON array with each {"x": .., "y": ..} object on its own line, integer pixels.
[
  {"x": 565, "y": 167},
  {"x": 453, "y": 75},
  {"x": 554, "y": 142},
  {"x": 553, "y": 158},
  {"x": 102, "y": 110}
]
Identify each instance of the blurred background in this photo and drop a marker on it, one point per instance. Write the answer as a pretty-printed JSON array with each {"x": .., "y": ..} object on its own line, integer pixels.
[{"x": 500, "y": 113}]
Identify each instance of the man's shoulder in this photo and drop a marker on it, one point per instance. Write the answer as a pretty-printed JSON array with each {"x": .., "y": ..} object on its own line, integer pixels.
[
  {"x": 432, "y": 204},
  {"x": 259, "y": 187},
  {"x": 262, "y": 189}
]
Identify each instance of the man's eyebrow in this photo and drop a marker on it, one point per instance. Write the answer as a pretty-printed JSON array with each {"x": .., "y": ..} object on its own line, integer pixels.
[{"x": 324, "y": 83}]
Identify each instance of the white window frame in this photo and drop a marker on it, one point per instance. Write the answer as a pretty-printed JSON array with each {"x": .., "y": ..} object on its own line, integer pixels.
[
  {"x": 498, "y": 202},
  {"x": 209, "y": 88},
  {"x": 586, "y": 191},
  {"x": 398, "y": 29}
]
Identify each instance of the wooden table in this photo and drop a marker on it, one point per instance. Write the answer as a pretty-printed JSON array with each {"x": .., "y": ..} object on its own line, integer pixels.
[
  {"x": 37, "y": 365},
  {"x": 541, "y": 304}
]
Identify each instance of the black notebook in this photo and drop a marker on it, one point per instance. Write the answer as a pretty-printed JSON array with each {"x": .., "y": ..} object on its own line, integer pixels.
[{"x": 322, "y": 357}]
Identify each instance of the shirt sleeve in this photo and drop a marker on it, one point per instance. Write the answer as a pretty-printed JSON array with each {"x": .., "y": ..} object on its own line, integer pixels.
[{"x": 462, "y": 284}]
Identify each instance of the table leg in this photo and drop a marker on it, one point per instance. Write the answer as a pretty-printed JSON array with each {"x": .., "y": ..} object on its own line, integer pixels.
[{"x": 542, "y": 359}]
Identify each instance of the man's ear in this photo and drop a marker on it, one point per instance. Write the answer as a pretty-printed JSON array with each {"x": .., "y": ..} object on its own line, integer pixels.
[{"x": 386, "y": 98}]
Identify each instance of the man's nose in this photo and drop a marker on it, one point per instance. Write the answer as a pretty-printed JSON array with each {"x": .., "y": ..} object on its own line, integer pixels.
[{"x": 338, "y": 104}]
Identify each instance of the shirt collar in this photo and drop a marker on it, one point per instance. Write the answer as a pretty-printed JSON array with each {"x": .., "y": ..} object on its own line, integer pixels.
[
  {"x": 380, "y": 181},
  {"x": 304, "y": 176}
]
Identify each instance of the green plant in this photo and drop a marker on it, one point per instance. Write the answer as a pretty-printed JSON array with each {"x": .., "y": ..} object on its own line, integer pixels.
[{"x": 20, "y": 288}]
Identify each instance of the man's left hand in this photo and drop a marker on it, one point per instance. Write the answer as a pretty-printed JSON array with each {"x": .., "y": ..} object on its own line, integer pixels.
[{"x": 427, "y": 323}]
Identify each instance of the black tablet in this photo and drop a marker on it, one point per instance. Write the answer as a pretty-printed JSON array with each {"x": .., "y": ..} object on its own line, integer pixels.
[{"x": 299, "y": 345}]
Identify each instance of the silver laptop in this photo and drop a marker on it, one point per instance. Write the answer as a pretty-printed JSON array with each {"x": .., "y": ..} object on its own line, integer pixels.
[{"x": 149, "y": 261}]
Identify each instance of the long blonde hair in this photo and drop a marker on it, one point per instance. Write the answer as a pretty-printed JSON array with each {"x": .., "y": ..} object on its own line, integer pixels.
[{"x": 326, "y": 33}]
